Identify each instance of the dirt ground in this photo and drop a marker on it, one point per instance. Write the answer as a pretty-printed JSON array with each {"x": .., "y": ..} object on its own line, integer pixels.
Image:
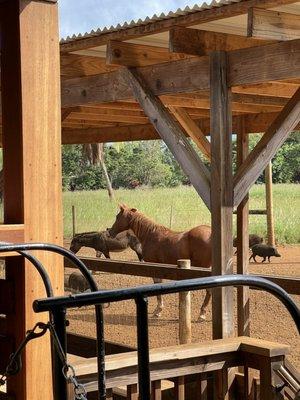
[{"x": 269, "y": 318}]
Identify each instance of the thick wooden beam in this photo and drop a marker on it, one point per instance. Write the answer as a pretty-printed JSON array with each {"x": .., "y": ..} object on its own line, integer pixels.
[
  {"x": 137, "y": 55},
  {"x": 273, "y": 25},
  {"x": 199, "y": 43},
  {"x": 243, "y": 306},
  {"x": 163, "y": 78},
  {"x": 32, "y": 171},
  {"x": 246, "y": 66},
  {"x": 221, "y": 193},
  {"x": 75, "y": 65},
  {"x": 172, "y": 135},
  {"x": 189, "y": 19},
  {"x": 266, "y": 148},
  {"x": 192, "y": 129},
  {"x": 276, "y": 61}
]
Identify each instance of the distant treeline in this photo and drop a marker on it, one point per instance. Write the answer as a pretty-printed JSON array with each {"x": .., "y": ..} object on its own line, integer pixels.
[{"x": 150, "y": 163}]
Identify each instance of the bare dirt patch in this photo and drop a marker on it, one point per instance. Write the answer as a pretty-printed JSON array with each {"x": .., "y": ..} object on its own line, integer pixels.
[{"x": 269, "y": 318}]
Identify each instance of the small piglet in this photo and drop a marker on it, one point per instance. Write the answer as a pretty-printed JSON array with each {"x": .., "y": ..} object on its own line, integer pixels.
[
  {"x": 253, "y": 240},
  {"x": 264, "y": 251}
]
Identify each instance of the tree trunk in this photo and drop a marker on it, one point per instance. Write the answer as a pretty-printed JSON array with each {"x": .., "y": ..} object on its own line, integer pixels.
[{"x": 95, "y": 155}]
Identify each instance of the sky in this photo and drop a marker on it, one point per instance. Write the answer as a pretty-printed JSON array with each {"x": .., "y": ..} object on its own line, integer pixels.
[{"x": 82, "y": 16}]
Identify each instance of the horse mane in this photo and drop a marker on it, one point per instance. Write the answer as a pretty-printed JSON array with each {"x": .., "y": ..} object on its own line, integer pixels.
[{"x": 148, "y": 225}]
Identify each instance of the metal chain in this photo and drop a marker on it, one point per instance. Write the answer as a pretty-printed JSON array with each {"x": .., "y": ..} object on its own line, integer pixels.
[
  {"x": 15, "y": 362},
  {"x": 67, "y": 370}
]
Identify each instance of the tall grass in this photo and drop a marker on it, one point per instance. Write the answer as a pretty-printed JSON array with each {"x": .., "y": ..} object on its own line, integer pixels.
[{"x": 181, "y": 208}]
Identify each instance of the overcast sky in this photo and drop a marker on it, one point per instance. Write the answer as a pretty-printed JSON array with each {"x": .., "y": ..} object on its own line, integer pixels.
[{"x": 80, "y": 16}]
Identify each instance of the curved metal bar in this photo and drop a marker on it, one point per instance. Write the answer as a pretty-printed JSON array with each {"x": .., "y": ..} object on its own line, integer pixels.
[
  {"x": 56, "y": 249},
  {"x": 171, "y": 287},
  {"x": 39, "y": 267}
]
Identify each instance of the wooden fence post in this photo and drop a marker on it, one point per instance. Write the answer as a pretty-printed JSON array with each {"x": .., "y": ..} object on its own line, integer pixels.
[
  {"x": 269, "y": 204},
  {"x": 73, "y": 220},
  {"x": 185, "y": 326}
]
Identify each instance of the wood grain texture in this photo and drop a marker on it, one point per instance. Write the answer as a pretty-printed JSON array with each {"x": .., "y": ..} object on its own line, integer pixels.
[
  {"x": 269, "y": 204},
  {"x": 221, "y": 193},
  {"x": 199, "y": 43},
  {"x": 192, "y": 129},
  {"x": 266, "y": 148},
  {"x": 246, "y": 66},
  {"x": 137, "y": 55},
  {"x": 273, "y": 25},
  {"x": 161, "y": 78},
  {"x": 276, "y": 61},
  {"x": 172, "y": 135},
  {"x": 32, "y": 187},
  {"x": 243, "y": 298}
]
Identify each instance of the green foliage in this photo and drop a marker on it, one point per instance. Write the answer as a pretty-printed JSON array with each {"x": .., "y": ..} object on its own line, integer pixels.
[{"x": 150, "y": 163}]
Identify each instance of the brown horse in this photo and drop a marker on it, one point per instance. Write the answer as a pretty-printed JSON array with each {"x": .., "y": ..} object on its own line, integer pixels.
[{"x": 162, "y": 245}]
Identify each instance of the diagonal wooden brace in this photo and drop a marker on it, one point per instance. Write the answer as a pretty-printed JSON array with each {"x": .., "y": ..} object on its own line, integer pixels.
[
  {"x": 172, "y": 134},
  {"x": 266, "y": 148}
]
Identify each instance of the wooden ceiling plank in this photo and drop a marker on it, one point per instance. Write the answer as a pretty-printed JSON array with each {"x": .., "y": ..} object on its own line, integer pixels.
[
  {"x": 273, "y": 25},
  {"x": 266, "y": 148},
  {"x": 199, "y": 43}
]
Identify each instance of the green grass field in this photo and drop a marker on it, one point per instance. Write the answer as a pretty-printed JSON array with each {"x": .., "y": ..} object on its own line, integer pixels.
[{"x": 180, "y": 208}]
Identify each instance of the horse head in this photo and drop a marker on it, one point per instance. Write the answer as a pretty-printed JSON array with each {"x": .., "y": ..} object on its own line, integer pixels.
[
  {"x": 123, "y": 219},
  {"x": 75, "y": 245}
]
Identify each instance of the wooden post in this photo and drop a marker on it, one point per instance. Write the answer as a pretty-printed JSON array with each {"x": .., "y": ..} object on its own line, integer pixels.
[
  {"x": 30, "y": 85},
  {"x": 73, "y": 220},
  {"x": 269, "y": 204},
  {"x": 243, "y": 239},
  {"x": 185, "y": 325},
  {"x": 221, "y": 193}
]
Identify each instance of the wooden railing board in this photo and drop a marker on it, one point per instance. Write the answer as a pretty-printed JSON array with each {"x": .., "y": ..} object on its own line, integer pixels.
[{"x": 172, "y": 272}]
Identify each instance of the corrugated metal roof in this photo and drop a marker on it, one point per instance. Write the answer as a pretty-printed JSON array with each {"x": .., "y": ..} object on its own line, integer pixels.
[{"x": 154, "y": 18}]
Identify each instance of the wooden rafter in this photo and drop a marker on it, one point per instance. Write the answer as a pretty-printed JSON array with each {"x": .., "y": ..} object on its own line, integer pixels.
[
  {"x": 80, "y": 133},
  {"x": 266, "y": 148},
  {"x": 199, "y": 43},
  {"x": 192, "y": 129},
  {"x": 171, "y": 133},
  {"x": 274, "y": 25}
]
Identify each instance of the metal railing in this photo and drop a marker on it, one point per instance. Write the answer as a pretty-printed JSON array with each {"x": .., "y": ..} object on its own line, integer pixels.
[
  {"x": 58, "y": 318},
  {"x": 58, "y": 305}
]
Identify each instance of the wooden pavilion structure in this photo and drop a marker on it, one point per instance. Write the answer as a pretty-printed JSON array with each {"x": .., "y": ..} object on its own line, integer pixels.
[{"x": 226, "y": 67}]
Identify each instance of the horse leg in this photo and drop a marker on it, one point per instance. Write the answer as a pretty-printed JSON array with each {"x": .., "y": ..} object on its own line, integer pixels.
[
  {"x": 206, "y": 301},
  {"x": 140, "y": 256},
  {"x": 106, "y": 255},
  {"x": 160, "y": 304}
]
